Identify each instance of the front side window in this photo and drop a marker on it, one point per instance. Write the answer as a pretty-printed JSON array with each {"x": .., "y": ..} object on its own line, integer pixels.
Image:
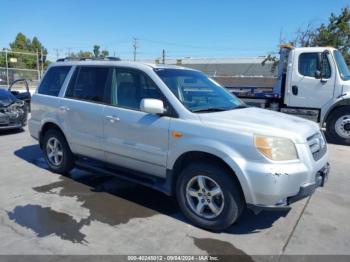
[
  {"x": 308, "y": 65},
  {"x": 342, "y": 66},
  {"x": 89, "y": 83},
  {"x": 129, "y": 87},
  {"x": 53, "y": 80},
  {"x": 197, "y": 92}
]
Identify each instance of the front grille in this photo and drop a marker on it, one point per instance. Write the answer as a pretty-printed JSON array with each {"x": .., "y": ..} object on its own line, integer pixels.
[{"x": 318, "y": 145}]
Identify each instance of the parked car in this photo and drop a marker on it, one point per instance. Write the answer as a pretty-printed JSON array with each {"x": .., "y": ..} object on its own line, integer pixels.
[
  {"x": 178, "y": 131},
  {"x": 14, "y": 107}
]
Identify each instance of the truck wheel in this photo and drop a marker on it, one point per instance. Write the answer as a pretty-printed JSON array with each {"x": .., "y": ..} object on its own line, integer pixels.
[
  {"x": 57, "y": 152},
  {"x": 209, "y": 196},
  {"x": 338, "y": 126}
]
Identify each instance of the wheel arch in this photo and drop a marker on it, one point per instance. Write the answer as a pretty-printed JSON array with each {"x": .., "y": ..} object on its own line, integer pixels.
[
  {"x": 48, "y": 126},
  {"x": 341, "y": 103},
  {"x": 189, "y": 157}
]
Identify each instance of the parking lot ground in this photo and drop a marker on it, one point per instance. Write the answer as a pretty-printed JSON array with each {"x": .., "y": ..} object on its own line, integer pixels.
[{"x": 86, "y": 213}]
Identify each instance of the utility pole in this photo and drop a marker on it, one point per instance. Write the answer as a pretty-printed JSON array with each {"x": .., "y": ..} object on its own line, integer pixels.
[
  {"x": 38, "y": 64},
  {"x": 7, "y": 68},
  {"x": 57, "y": 53},
  {"x": 163, "y": 56},
  {"x": 135, "y": 46},
  {"x": 281, "y": 36},
  {"x": 42, "y": 62}
]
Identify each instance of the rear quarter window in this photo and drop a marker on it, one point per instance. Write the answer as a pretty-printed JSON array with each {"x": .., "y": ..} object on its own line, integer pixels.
[{"x": 53, "y": 80}]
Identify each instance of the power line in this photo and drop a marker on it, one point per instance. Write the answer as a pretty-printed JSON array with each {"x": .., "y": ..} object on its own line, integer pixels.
[{"x": 222, "y": 48}]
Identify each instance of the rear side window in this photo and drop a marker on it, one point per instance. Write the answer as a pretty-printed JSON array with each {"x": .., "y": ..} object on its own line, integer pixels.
[
  {"x": 53, "y": 80},
  {"x": 89, "y": 83},
  {"x": 308, "y": 63}
]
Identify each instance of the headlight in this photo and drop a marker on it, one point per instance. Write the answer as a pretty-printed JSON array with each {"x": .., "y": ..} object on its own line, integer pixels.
[
  {"x": 16, "y": 108},
  {"x": 276, "y": 148}
]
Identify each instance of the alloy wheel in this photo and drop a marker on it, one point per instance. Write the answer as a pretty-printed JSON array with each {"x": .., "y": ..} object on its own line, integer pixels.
[
  {"x": 54, "y": 151},
  {"x": 205, "y": 197}
]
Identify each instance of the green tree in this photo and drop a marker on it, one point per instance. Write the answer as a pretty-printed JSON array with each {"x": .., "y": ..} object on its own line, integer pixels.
[
  {"x": 81, "y": 54},
  {"x": 24, "y": 44},
  {"x": 104, "y": 53},
  {"x": 96, "y": 50},
  {"x": 21, "y": 43},
  {"x": 336, "y": 33}
]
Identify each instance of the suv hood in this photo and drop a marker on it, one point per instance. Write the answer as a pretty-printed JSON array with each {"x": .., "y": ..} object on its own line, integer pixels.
[{"x": 262, "y": 121}]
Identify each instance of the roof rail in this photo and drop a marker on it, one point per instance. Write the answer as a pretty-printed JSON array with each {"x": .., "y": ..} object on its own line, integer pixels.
[{"x": 109, "y": 58}]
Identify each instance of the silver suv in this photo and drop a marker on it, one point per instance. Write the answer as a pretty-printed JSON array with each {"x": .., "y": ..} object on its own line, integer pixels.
[{"x": 178, "y": 131}]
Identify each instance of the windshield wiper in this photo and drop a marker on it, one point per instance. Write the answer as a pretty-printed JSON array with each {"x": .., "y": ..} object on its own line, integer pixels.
[
  {"x": 240, "y": 106},
  {"x": 210, "y": 109},
  {"x": 218, "y": 109}
]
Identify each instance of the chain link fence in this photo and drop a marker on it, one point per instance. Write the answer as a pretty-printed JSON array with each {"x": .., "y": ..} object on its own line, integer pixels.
[{"x": 16, "y": 65}]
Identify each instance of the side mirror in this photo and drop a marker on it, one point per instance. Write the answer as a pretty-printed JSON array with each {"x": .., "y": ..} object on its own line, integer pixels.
[
  {"x": 320, "y": 63},
  {"x": 152, "y": 106}
]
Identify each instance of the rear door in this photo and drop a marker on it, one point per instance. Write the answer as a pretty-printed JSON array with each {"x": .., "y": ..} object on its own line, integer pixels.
[
  {"x": 46, "y": 100},
  {"x": 132, "y": 138},
  {"x": 82, "y": 110},
  {"x": 305, "y": 89}
]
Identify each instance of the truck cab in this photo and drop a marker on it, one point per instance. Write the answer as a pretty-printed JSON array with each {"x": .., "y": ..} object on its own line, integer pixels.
[{"x": 313, "y": 83}]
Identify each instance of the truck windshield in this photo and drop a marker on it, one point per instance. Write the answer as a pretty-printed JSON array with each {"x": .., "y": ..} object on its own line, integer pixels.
[
  {"x": 197, "y": 92},
  {"x": 342, "y": 67}
]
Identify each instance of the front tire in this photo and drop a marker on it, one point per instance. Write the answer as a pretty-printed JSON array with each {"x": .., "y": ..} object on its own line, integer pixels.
[
  {"x": 338, "y": 126},
  {"x": 57, "y": 153},
  {"x": 209, "y": 196}
]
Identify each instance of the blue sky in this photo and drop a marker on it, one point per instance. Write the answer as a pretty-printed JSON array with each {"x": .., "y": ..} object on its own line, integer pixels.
[{"x": 192, "y": 28}]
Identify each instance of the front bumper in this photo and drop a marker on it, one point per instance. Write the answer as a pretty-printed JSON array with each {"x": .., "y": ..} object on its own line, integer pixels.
[
  {"x": 13, "y": 120},
  {"x": 305, "y": 191},
  {"x": 321, "y": 178}
]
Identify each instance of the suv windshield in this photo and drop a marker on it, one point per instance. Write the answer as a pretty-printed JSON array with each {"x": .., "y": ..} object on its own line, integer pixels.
[
  {"x": 342, "y": 67},
  {"x": 197, "y": 92}
]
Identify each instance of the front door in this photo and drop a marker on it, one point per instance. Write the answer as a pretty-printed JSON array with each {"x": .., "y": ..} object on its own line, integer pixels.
[
  {"x": 305, "y": 89},
  {"x": 134, "y": 139}
]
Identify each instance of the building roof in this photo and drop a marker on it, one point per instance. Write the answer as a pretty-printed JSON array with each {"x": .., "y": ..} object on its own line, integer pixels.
[{"x": 242, "y": 66}]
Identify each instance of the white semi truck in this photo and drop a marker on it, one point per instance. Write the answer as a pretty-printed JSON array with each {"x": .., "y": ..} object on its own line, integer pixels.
[{"x": 312, "y": 82}]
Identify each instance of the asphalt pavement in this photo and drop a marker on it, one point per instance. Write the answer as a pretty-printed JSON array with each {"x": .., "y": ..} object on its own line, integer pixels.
[{"x": 89, "y": 213}]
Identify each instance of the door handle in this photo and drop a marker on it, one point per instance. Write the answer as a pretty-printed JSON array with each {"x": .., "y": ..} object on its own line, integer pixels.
[
  {"x": 64, "y": 108},
  {"x": 112, "y": 119},
  {"x": 295, "y": 90}
]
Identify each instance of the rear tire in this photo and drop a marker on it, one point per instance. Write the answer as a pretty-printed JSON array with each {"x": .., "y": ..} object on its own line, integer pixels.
[
  {"x": 57, "y": 153},
  {"x": 228, "y": 205},
  {"x": 338, "y": 126}
]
